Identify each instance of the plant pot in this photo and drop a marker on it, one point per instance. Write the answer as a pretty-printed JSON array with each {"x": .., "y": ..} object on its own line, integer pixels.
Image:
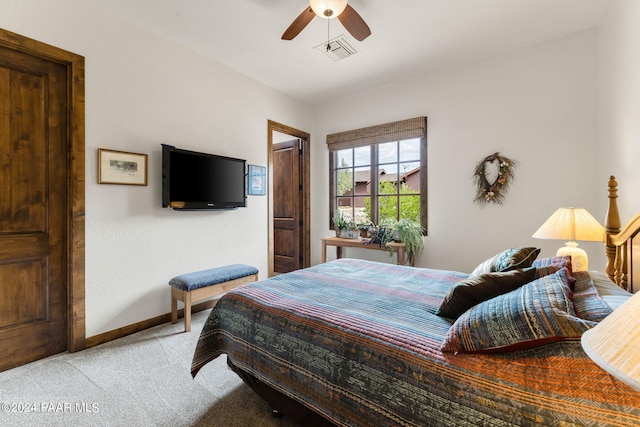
[{"x": 348, "y": 234}]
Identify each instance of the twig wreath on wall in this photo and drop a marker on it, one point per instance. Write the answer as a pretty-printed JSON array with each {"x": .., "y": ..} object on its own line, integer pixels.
[{"x": 492, "y": 177}]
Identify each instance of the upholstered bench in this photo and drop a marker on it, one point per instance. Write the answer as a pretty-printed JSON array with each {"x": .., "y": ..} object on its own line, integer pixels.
[{"x": 203, "y": 284}]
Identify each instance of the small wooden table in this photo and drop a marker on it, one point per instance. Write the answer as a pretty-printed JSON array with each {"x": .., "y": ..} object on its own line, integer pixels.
[{"x": 340, "y": 242}]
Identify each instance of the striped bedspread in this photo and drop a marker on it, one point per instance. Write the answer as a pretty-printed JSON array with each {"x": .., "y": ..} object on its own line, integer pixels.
[{"x": 358, "y": 342}]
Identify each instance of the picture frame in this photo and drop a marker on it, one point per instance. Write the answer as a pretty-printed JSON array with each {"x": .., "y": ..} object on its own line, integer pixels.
[
  {"x": 122, "y": 167},
  {"x": 257, "y": 180}
]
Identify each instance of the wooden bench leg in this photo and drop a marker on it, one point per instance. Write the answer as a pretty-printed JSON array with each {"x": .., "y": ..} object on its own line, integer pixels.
[
  {"x": 176, "y": 294},
  {"x": 185, "y": 297},
  {"x": 187, "y": 311},
  {"x": 174, "y": 310}
]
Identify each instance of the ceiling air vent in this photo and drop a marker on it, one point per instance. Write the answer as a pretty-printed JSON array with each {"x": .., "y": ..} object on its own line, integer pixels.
[{"x": 339, "y": 48}]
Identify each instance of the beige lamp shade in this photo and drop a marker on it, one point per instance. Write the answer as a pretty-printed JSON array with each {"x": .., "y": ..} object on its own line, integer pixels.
[
  {"x": 614, "y": 343},
  {"x": 571, "y": 224}
]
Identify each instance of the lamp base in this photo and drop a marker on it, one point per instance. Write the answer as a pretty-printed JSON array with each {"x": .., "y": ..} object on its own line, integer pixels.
[{"x": 579, "y": 259}]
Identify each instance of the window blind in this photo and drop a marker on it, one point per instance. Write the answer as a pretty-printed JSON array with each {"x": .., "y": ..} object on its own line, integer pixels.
[{"x": 394, "y": 131}]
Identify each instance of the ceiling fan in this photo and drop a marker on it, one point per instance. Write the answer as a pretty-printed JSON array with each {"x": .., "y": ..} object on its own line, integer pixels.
[{"x": 329, "y": 9}]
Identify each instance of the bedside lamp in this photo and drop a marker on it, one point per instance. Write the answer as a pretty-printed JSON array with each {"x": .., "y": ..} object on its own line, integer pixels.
[
  {"x": 614, "y": 343},
  {"x": 571, "y": 224}
]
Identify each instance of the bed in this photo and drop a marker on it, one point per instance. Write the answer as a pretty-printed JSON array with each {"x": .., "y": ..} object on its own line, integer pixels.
[{"x": 359, "y": 343}]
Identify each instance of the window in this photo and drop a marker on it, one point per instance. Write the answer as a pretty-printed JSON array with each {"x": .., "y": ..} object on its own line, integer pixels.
[{"x": 378, "y": 174}]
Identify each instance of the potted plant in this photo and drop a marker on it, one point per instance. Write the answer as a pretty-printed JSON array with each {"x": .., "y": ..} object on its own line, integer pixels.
[
  {"x": 350, "y": 231},
  {"x": 410, "y": 233},
  {"x": 381, "y": 235},
  {"x": 339, "y": 222},
  {"x": 364, "y": 228}
]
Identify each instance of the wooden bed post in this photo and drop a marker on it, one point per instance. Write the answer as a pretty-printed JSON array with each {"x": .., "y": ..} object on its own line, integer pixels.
[{"x": 612, "y": 226}]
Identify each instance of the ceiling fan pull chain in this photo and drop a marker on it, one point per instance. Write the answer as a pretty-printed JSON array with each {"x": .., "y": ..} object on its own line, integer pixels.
[{"x": 328, "y": 35}]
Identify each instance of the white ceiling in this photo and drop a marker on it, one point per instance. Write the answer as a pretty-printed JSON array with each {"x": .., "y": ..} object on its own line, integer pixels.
[{"x": 408, "y": 37}]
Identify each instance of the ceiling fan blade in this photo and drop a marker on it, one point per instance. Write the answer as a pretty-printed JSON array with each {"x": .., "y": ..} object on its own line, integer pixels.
[
  {"x": 354, "y": 23},
  {"x": 298, "y": 24}
]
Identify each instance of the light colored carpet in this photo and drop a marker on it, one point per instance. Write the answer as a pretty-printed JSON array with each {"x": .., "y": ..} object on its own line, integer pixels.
[{"x": 139, "y": 380}]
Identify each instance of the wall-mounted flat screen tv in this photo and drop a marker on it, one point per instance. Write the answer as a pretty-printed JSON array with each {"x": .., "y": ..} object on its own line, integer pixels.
[{"x": 201, "y": 181}]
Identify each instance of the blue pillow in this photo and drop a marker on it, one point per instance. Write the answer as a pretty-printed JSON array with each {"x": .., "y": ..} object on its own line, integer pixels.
[
  {"x": 538, "y": 313},
  {"x": 587, "y": 301}
]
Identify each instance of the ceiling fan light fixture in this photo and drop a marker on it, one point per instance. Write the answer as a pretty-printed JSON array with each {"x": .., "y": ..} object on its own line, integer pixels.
[{"x": 328, "y": 8}]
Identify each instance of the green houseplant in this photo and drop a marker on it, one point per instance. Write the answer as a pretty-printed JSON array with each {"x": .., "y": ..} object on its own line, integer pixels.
[
  {"x": 339, "y": 222},
  {"x": 364, "y": 228},
  {"x": 381, "y": 235},
  {"x": 410, "y": 233}
]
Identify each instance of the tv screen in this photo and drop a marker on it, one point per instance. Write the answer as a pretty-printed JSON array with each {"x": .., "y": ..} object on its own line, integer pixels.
[{"x": 200, "y": 181}]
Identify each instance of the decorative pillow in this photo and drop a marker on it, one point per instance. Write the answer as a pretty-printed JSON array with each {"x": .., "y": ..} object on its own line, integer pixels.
[
  {"x": 475, "y": 289},
  {"x": 613, "y": 295},
  {"x": 510, "y": 259},
  {"x": 550, "y": 265},
  {"x": 586, "y": 300},
  {"x": 537, "y": 313}
]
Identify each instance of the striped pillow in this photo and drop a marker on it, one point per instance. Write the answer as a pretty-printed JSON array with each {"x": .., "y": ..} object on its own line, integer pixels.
[
  {"x": 587, "y": 301},
  {"x": 535, "y": 314},
  {"x": 552, "y": 264}
]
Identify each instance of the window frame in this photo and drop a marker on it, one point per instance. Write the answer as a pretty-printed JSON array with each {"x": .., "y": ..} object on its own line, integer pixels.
[{"x": 380, "y": 134}]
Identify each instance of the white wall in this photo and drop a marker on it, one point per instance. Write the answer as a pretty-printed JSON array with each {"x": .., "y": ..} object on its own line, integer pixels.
[
  {"x": 537, "y": 106},
  {"x": 142, "y": 91},
  {"x": 619, "y": 112}
]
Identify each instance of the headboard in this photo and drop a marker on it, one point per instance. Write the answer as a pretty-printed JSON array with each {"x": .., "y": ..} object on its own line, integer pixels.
[{"x": 619, "y": 241}]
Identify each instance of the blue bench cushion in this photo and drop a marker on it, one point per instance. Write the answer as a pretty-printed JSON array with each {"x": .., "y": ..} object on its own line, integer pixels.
[{"x": 200, "y": 279}]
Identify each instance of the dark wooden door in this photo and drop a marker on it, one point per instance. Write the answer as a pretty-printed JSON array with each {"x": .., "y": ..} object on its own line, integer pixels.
[
  {"x": 287, "y": 212},
  {"x": 33, "y": 203}
]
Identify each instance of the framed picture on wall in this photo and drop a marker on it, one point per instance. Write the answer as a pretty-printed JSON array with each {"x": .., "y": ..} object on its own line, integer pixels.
[
  {"x": 121, "y": 167},
  {"x": 257, "y": 180}
]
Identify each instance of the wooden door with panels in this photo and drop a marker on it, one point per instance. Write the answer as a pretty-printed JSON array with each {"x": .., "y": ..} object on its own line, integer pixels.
[
  {"x": 39, "y": 226},
  {"x": 289, "y": 213},
  {"x": 287, "y": 220}
]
